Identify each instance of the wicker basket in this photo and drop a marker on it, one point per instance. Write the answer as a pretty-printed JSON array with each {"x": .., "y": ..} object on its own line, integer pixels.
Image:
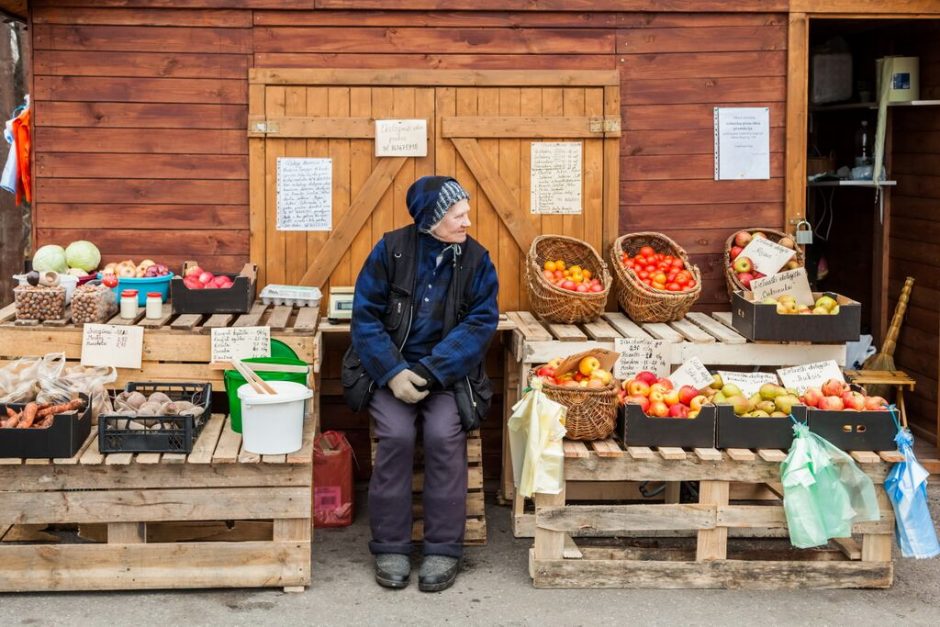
[
  {"x": 592, "y": 412},
  {"x": 731, "y": 279},
  {"x": 640, "y": 301},
  {"x": 552, "y": 303}
]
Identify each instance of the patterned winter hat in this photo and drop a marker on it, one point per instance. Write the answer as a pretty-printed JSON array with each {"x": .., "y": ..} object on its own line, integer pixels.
[{"x": 430, "y": 197}]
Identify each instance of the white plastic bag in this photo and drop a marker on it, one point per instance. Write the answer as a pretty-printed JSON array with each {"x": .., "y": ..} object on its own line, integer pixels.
[{"x": 536, "y": 431}]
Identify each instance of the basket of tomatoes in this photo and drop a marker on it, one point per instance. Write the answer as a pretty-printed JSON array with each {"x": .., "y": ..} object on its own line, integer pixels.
[
  {"x": 655, "y": 280},
  {"x": 567, "y": 280}
]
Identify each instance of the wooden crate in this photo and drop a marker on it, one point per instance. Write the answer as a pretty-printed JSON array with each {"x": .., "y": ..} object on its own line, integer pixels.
[
  {"x": 137, "y": 495},
  {"x": 711, "y": 338},
  {"x": 686, "y": 545},
  {"x": 176, "y": 347},
  {"x": 475, "y": 530}
]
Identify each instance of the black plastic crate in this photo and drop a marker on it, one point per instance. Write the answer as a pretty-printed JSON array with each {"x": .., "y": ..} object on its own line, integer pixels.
[
  {"x": 236, "y": 299},
  {"x": 60, "y": 440},
  {"x": 635, "y": 428},
  {"x": 739, "y": 432},
  {"x": 851, "y": 430},
  {"x": 164, "y": 434}
]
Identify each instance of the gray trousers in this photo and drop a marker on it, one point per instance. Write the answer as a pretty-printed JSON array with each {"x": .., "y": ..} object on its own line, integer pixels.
[{"x": 445, "y": 474}]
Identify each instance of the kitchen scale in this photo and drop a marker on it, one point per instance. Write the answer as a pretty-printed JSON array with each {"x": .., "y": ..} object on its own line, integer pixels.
[{"x": 341, "y": 304}]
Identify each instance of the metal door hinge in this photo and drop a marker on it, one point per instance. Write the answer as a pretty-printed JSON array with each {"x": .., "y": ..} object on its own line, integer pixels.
[{"x": 264, "y": 126}]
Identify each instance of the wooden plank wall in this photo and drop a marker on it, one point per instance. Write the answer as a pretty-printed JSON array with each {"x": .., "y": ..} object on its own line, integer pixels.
[
  {"x": 141, "y": 115},
  {"x": 915, "y": 238}
]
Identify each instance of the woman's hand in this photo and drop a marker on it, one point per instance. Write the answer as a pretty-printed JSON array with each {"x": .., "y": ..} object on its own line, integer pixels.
[{"x": 403, "y": 386}]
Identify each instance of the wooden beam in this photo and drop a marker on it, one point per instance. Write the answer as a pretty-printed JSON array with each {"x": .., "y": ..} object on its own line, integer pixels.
[
  {"x": 502, "y": 198},
  {"x": 797, "y": 79},
  {"x": 433, "y": 78},
  {"x": 290, "y": 127},
  {"x": 523, "y": 127},
  {"x": 858, "y": 7},
  {"x": 360, "y": 208}
]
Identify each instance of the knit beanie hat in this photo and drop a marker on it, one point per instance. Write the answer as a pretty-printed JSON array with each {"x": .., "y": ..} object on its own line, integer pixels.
[{"x": 430, "y": 197}]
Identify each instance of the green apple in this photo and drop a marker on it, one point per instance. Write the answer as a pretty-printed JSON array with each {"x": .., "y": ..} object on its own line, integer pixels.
[
  {"x": 826, "y": 302},
  {"x": 834, "y": 311}
]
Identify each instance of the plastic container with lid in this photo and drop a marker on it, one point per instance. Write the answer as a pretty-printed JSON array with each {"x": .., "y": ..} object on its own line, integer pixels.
[
  {"x": 129, "y": 306},
  {"x": 154, "y": 306},
  {"x": 92, "y": 303},
  {"x": 274, "y": 424}
]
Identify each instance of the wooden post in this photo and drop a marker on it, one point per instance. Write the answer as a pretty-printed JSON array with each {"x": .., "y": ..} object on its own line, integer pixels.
[
  {"x": 877, "y": 547},
  {"x": 797, "y": 79},
  {"x": 713, "y": 543},
  {"x": 548, "y": 544}
]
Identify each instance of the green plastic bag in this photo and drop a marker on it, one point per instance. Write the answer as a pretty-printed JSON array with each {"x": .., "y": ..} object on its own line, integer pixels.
[{"x": 824, "y": 492}]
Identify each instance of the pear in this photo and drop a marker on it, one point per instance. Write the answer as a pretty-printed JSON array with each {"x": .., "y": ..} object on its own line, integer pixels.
[
  {"x": 778, "y": 414},
  {"x": 826, "y": 302},
  {"x": 740, "y": 404},
  {"x": 785, "y": 403},
  {"x": 716, "y": 383},
  {"x": 753, "y": 400},
  {"x": 770, "y": 391},
  {"x": 730, "y": 389},
  {"x": 759, "y": 413},
  {"x": 767, "y": 407},
  {"x": 719, "y": 398}
]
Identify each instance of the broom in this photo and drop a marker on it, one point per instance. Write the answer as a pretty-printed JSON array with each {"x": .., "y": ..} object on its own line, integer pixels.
[{"x": 884, "y": 359}]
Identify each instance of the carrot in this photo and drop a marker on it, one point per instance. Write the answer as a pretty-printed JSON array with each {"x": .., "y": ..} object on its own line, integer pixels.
[
  {"x": 12, "y": 413},
  {"x": 29, "y": 416},
  {"x": 44, "y": 423},
  {"x": 72, "y": 405},
  {"x": 13, "y": 417}
]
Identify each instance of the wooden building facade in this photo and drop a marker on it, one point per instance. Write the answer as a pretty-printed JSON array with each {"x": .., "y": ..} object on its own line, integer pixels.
[{"x": 142, "y": 106}]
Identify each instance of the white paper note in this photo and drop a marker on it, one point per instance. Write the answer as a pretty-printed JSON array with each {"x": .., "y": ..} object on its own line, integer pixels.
[
  {"x": 115, "y": 345},
  {"x": 693, "y": 373},
  {"x": 401, "y": 138},
  {"x": 792, "y": 282},
  {"x": 767, "y": 256},
  {"x": 637, "y": 355},
  {"x": 748, "y": 382},
  {"x": 230, "y": 343},
  {"x": 304, "y": 194},
  {"x": 742, "y": 143},
  {"x": 810, "y": 375},
  {"x": 555, "y": 177}
]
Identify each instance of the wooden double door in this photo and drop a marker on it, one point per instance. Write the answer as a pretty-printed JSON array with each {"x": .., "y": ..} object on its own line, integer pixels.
[{"x": 480, "y": 129}]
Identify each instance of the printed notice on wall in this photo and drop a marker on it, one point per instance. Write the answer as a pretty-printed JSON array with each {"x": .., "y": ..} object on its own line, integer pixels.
[
  {"x": 230, "y": 343},
  {"x": 401, "y": 138},
  {"x": 555, "y": 177},
  {"x": 767, "y": 256},
  {"x": 304, "y": 194},
  {"x": 120, "y": 346},
  {"x": 637, "y": 355},
  {"x": 810, "y": 375},
  {"x": 742, "y": 143},
  {"x": 792, "y": 282},
  {"x": 748, "y": 382}
]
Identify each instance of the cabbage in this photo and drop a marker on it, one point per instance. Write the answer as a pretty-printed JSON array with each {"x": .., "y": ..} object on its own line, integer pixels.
[
  {"x": 83, "y": 255},
  {"x": 50, "y": 258}
]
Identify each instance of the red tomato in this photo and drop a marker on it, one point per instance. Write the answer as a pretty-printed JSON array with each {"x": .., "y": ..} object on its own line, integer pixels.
[
  {"x": 597, "y": 287},
  {"x": 673, "y": 287},
  {"x": 643, "y": 274},
  {"x": 650, "y": 268},
  {"x": 647, "y": 251},
  {"x": 677, "y": 263},
  {"x": 109, "y": 280},
  {"x": 690, "y": 285},
  {"x": 640, "y": 260},
  {"x": 659, "y": 277}
]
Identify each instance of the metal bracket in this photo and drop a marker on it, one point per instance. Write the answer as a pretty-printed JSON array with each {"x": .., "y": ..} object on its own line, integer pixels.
[
  {"x": 612, "y": 125},
  {"x": 264, "y": 126}
]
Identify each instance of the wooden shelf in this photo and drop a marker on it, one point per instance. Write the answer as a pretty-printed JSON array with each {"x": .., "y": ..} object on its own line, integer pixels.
[
  {"x": 873, "y": 105},
  {"x": 849, "y": 183}
]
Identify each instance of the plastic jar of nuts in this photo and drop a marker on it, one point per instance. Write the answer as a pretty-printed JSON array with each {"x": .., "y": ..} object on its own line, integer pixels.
[
  {"x": 39, "y": 302},
  {"x": 93, "y": 303}
]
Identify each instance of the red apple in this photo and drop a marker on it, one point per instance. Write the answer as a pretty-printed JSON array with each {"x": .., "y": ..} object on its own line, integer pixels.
[
  {"x": 638, "y": 388},
  {"x": 831, "y": 403},
  {"x": 192, "y": 283},
  {"x": 686, "y": 394},
  {"x": 194, "y": 271},
  {"x": 679, "y": 411},
  {"x": 545, "y": 371},
  {"x": 666, "y": 383},
  {"x": 735, "y": 251},
  {"x": 222, "y": 281},
  {"x": 642, "y": 401},
  {"x": 853, "y": 400},
  {"x": 646, "y": 376},
  {"x": 671, "y": 397},
  {"x": 811, "y": 397},
  {"x": 834, "y": 387},
  {"x": 875, "y": 403},
  {"x": 742, "y": 264},
  {"x": 745, "y": 278},
  {"x": 742, "y": 238},
  {"x": 658, "y": 409}
]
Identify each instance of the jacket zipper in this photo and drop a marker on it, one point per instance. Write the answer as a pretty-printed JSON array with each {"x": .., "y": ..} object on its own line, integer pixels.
[{"x": 473, "y": 401}]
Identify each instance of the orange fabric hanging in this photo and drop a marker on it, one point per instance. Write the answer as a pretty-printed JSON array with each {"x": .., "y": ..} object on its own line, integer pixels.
[{"x": 23, "y": 150}]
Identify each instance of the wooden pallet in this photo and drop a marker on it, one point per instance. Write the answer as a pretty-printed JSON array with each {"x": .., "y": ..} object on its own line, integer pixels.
[
  {"x": 136, "y": 496},
  {"x": 475, "y": 530},
  {"x": 686, "y": 545},
  {"x": 710, "y": 338},
  {"x": 176, "y": 347}
]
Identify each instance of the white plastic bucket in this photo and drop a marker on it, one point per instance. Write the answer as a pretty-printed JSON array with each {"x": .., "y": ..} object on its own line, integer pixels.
[{"x": 273, "y": 424}]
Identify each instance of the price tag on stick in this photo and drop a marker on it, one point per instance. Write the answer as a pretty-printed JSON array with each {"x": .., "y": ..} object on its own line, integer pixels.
[
  {"x": 810, "y": 375},
  {"x": 120, "y": 346},
  {"x": 693, "y": 373},
  {"x": 240, "y": 343},
  {"x": 766, "y": 256},
  {"x": 637, "y": 355}
]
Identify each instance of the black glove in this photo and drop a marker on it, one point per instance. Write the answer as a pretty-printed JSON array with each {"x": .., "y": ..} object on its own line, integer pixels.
[{"x": 424, "y": 373}]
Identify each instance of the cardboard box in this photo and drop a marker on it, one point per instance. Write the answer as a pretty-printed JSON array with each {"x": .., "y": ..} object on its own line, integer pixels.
[
  {"x": 759, "y": 322},
  {"x": 635, "y": 428},
  {"x": 236, "y": 299},
  {"x": 62, "y": 440},
  {"x": 852, "y": 430},
  {"x": 738, "y": 432}
]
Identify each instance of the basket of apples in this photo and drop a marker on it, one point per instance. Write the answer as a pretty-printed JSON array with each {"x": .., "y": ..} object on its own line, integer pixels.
[
  {"x": 655, "y": 280},
  {"x": 656, "y": 413},
  {"x": 199, "y": 291},
  {"x": 584, "y": 384},
  {"x": 567, "y": 280},
  {"x": 740, "y": 271}
]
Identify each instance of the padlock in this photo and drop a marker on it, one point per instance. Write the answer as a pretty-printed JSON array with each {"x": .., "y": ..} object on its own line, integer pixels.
[{"x": 804, "y": 233}]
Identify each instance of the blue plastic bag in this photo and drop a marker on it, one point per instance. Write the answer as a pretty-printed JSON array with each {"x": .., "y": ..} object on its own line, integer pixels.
[{"x": 906, "y": 485}]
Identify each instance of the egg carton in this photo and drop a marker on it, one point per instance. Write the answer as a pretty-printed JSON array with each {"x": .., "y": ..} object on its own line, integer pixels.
[{"x": 298, "y": 295}]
